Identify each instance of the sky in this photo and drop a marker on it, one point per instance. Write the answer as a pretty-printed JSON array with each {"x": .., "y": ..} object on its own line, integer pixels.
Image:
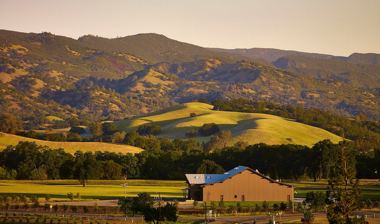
[{"x": 338, "y": 27}]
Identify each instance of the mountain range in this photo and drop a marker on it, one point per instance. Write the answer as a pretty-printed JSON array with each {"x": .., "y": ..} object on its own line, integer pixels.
[{"x": 42, "y": 74}]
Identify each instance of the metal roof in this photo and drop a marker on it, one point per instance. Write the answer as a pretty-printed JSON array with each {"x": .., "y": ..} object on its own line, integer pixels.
[
  {"x": 218, "y": 178},
  {"x": 213, "y": 178}
]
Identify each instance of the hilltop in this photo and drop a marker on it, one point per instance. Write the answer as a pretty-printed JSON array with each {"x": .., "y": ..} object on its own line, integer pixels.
[
  {"x": 252, "y": 128},
  {"x": 70, "y": 147}
]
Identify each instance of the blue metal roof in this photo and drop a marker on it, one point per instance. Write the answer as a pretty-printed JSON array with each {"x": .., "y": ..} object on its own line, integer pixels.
[{"x": 214, "y": 178}]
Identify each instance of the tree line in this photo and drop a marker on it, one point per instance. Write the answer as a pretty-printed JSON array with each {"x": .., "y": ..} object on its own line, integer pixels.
[{"x": 27, "y": 160}]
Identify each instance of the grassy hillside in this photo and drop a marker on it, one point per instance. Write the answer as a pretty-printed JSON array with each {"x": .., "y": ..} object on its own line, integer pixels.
[
  {"x": 249, "y": 127},
  {"x": 71, "y": 147}
]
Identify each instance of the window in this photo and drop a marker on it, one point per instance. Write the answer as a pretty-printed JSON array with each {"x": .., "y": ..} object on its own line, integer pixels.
[
  {"x": 235, "y": 196},
  {"x": 221, "y": 198},
  {"x": 243, "y": 197}
]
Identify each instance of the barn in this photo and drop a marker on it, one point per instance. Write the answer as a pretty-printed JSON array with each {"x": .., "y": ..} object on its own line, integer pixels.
[{"x": 238, "y": 184}]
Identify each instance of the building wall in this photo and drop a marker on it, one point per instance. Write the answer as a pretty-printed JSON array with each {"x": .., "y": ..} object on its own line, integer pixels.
[{"x": 247, "y": 186}]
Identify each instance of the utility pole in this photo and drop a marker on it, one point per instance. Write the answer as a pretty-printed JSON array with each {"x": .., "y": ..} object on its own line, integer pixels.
[{"x": 125, "y": 195}]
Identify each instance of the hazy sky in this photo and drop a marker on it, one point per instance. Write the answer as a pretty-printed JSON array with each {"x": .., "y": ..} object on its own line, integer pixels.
[{"x": 337, "y": 27}]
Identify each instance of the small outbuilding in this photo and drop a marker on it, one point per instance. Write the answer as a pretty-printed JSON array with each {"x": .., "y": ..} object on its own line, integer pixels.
[{"x": 238, "y": 184}]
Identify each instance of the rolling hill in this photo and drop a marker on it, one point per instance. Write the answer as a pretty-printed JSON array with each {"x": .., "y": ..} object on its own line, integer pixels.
[
  {"x": 253, "y": 128},
  {"x": 71, "y": 147}
]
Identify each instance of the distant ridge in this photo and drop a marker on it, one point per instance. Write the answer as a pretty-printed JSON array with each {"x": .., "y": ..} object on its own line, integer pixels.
[{"x": 93, "y": 77}]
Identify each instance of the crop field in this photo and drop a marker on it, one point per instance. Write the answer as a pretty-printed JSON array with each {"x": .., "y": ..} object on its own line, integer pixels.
[
  {"x": 106, "y": 189},
  {"x": 100, "y": 189},
  {"x": 71, "y": 147},
  {"x": 249, "y": 127}
]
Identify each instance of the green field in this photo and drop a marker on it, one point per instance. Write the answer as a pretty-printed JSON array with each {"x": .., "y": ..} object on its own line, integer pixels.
[
  {"x": 370, "y": 189},
  {"x": 71, "y": 147},
  {"x": 166, "y": 188},
  {"x": 95, "y": 188},
  {"x": 249, "y": 127}
]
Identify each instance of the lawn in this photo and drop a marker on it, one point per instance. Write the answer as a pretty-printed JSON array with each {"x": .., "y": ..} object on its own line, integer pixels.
[
  {"x": 249, "y": 127},
  {"x": 71, "y": 147},
  {"x": 101, "y": 189}
]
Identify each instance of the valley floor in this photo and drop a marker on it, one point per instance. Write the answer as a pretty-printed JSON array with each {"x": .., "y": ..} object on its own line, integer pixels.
[{"x": 112, "y": 189}]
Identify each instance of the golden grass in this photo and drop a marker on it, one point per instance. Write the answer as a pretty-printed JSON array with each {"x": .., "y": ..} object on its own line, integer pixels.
[
  {"x": 249, "y": 127},
  {"x": 71, "y": 147}
]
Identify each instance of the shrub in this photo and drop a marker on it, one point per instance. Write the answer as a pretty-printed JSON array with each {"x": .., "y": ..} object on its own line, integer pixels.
[
  {"x": 275, "y": 207},
  {"x": 208, "y": 129},
  {"x": 70, "y": 196},
  {"x": 265, "y": 206},
  {"x": 257, "y": 208},
  {"x": 283, "y": 206},
  {"x": 308, "y": 217},
  {"x": 238, "y": 207},
  {"x": 221, "y": 204}
]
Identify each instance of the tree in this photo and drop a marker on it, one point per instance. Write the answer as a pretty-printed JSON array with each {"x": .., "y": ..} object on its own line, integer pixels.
[
  {"x": 86, "y": 167},
  {"x": 149, "y": 129},
  {"x": 112, "y": 170},
  {"x": 73, "y": 137},
  {"x": 78, "y": 129},
  {"x": 118, "y": 137},
  {"x": 219, "y": 141},
  {"x": 316, "y": 200},
  {"x": 144, "y": 204},
  {"x": 209, "y": 166},
  {"x": 97, "y": 130},
  {"x": 208, "y": 129},
  {"x": 9, "y": 123},
  {"x": 109, "y": 128},
  {"x": 7, "y": 174},
  {"x": 343, "y": 193},
  {"x": 140, "y": 203},
  {"x": 130, "y": 138}
]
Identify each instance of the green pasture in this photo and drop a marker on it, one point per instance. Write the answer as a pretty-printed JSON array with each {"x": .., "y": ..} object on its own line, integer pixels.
[
  {"x": 370, "y": 189},
  {"x": 95, "y": 188}
]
